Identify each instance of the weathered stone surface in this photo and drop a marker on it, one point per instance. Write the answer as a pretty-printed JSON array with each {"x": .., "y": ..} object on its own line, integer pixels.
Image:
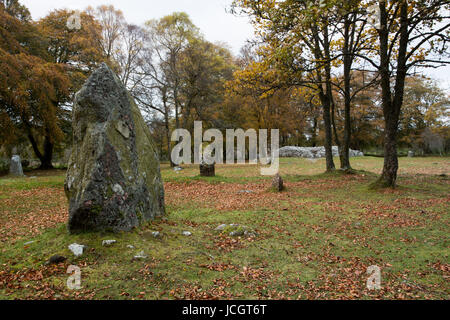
[
  {"x": 277, "y": 183},
  {"x": 15, "y": 168},
  {"x": 207, "y": 170},
  {"x": 113, "y": 180},
  {"x": 312, "y": 153}
]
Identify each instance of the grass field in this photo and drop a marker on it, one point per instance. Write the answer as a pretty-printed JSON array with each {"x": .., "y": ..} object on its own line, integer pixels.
[{"x": 314, "y": 241}]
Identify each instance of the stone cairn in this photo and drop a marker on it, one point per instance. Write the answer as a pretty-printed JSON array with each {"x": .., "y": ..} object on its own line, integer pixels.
[{"x": 113, "y": 180}]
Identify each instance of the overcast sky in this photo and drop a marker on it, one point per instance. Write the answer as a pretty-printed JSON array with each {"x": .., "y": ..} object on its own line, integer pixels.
[{"x": 209, "y": 15}]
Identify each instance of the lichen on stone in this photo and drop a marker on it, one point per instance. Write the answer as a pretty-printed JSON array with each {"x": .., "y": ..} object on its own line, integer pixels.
[{"x": 113, "y": 181}]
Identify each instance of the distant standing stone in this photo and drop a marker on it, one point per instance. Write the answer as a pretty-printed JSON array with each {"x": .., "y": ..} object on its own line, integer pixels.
[
  {"x": 277, "y": 183},
  {"x": 113, "y": 180},
  {"x": 207, "y": 170},
  {"x": 411, "y": 154},
  {"x": 15, "y": 168}
]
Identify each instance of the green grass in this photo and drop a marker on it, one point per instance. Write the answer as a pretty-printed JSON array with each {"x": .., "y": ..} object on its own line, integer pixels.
[{"x": 315, "y": 240}]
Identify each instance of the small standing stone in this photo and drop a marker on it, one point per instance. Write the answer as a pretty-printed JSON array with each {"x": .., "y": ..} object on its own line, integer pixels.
[
  {"x": 277, "y": 183},
  {"x": 411, "y": 154},
  {"x": 15, "y": 168},
  {"x": 207, "y": 170}
]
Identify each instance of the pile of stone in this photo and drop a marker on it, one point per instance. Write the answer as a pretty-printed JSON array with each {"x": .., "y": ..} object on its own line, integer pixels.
[{"x": 313, "y": 153}]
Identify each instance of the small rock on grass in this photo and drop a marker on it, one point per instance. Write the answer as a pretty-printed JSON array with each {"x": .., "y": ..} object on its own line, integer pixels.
[
  {"x": 221, "y": 227},
  {"x": 77, "y": 249},
  {"x": 108, "y": 243},
  {"x": 187, "y": 233},
  {"x": 140, "y": 256},
  {"x": 236, "y": 230},
  {"x": 56, "y": 259},
  {"x": 157, "y": 235}
]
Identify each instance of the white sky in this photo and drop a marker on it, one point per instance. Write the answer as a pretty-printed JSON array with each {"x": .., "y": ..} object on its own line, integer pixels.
[{"x": 209, "y": 15}]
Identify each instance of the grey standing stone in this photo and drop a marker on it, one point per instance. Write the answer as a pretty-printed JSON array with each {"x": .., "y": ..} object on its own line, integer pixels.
[
  {"x": 411, "y": 154},
  {"x": 277, "y": 183},
  {"x": 113, "y": 180},
  {"x": 15, "y": 168}
]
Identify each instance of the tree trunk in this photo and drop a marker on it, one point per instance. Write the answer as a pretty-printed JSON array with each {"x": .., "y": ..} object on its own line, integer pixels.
[
  {"x": 46, "y": 158},
  {"x": 336, "y": 136},
  {"x": 314, "y": 134},
  {"x": 328, "y": 136},
  {"x": 344, "y": 150},
  {"x": 168, "y": 138},
  {"x": 389, "y": 176},
  {"x": 392, "y": 106}
]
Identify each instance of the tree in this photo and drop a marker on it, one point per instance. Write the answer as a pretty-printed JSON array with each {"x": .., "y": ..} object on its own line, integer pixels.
[
  {"x": 31, "y": 87},
  {"x": 409, "y": 33},
  {"x": 204, "y": 69},
  {"x": 170, "y": 35},
  {"x": 112, "y": 23},
  {"x": 298, "y": 45},
  {"x": 424, "y": 113}
]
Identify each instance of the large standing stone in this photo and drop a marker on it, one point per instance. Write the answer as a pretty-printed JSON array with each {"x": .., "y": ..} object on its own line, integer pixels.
[
  {"x": 15, "y": 168},
  {"x": 113, "y": 180}
]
